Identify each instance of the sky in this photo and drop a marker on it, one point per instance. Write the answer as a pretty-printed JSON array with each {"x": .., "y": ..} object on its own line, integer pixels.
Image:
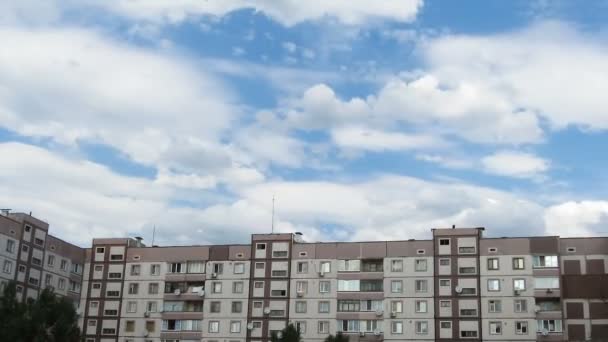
[{"x": 365, "y": 120}]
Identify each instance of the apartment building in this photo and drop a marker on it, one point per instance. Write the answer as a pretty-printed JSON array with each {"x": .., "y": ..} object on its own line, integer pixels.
[
  {"x": 35, "y": 259},
  {"x": 456, "y": 286}
]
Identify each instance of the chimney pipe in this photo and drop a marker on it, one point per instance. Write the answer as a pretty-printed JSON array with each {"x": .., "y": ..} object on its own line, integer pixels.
[{"x": 453, "y": 226}]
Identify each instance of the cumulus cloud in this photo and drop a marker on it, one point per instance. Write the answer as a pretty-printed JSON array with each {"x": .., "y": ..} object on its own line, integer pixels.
[
  {"x": 515, "y": 164},
  {"x": 373, "y": 140},
  {"x": 584, "y": 218}
]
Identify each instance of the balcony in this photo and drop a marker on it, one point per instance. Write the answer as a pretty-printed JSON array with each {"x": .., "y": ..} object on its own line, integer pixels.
[{"x": 184, "y": 291}]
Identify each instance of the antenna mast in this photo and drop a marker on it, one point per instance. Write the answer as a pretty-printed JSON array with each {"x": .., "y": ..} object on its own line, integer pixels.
[
  {"x": 153, "y": 235},
  {"x": 272, "y": 224}
]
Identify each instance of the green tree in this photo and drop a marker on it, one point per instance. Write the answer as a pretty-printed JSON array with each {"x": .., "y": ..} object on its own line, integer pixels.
[
  {"x": 289, "y": 334},
  {"x": 48, "y": 319},
  {"x": 339, "y": 337}
]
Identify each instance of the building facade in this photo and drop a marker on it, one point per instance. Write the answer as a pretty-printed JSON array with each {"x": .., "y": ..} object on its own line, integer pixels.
[
  {"x": 35, "y": 259},
  {"x": 456, "y": 286}
]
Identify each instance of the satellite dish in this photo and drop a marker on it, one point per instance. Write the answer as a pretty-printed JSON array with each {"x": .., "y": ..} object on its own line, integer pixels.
[{"x": 458, "y": 289}]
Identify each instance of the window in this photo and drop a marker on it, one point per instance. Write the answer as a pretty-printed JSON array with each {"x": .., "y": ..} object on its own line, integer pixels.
[
  {"x": 349, "y": 265},
  {"x": 521, "y": 305},
  {"x": 116, "y": 257},
  {"x": 76, "y": 268},
  {"x": 521, "y": 327},
  {"x": 494, "y": 306},
  {"x": 133, "y": 288},
  {"x": 114, "y": 275},
  {"x": 257, "y": 325},
  {"x": 237, "y": 287},
  {"x": 277, "y": 313},
  {"x": 397, "y": 327},
  {"x": 108, "y": 331},
  {"x": 445, "y": 303},
  {"x": 235, "y": 327},
  {"x": 420, "y": 265},
  {"x": 28, "y": 228},
  {"x": 150, "y": 326},
  {"x": 177, "y": 267},
  {"x": 38, "y": 241},
  {"x": 239, "y": 268},
  {"x": 421, "y": 286},
  {"x": 468, "y": 333},
  {"x": 444, "y": 242},
  {"x": 100, "y": 250},
  {"x": 467, "y": 270},
  {"x": 444, "y": 262},
  {"x": 92, "y": 322},
  {"x": 260, "y": 246},
  {"x": 548, "y": 305},
  {"x": 215, "y": 307},
  {"x": 96, "y": 285},
  {"x": 546, "y": 283},
  {"x": 396, "y": 265},
  {"x": 468, "y": 312},
  {"x": 325, "y": 267},
  {"x": 549, "y": 325},
  {"x": 279, "y": 254},
  {"x": 151, "y": 306},
  {"x": 301, "y": 287},
  {"x": 466, "y": 250},
  {"x": 214, "y": 327},
  {"x": 542, "y": 261},
  {"x": 110, "y": 312},
  {"x": 278, "y": 293},
  {"x": 445, "y": 282},
  {"x": 130, "y": 326},
  {"x": 493, "y": 264},
  {"x": 153, "y": 288},
  {"x": 25, "y": 248},
  {"x": 7, "y": 267},
  {"x": 257, "y": 304},
  {"x": 218, "y": 268},
  {"x": 33, "y": 281},
  {"x": 279, "y": 273},
  {"x": 217, "y": 287},
  {"x": 61, "y": 284},
  {"x": 108, "y": 293},
  {"x": 445, "y": 325},
  {"x": 422, "y": 328},
  {"x": 519, "y": 284},
  {"x": 98, "y": 268},
  {"x": 495, "y": 328},
  {"x": 348, "y": 285},
  {"x": 155, "y": 269},
  {"x": 301, "y": 327},
  {"x": 48, "y": 280},
  {"x": 396, "y": 286},
  {"x": 324, "y": 286},
  {"x": 236, "y": 307},
  {"x": 74, "y": 286},
  {"x": 518, "y": 263},
  {"x": 131, "y": 306},
  {"x": 36, "y": 261},
  {"x": 10, "y": 246},
  {"x": 397, "y": 306},
  {"x": 260, "y": 265},
  {"x": 64, "y": 265},
  {"x": 421, "y": 306},
  {"x": 300, "y": 307},
  {"x": 349, "y": 325},
  {"x": 493, "y": 284},
  {"x": 21, "y": 268},
  {"x": 323, "y": 327},
  {"x": 323, "y": 307},
  {"x": 302, "y": 267},
  {"x": 258, "y": 284}
]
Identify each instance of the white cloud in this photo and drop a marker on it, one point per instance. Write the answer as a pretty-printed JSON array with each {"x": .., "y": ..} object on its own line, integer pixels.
[
  {"x": 515, "y": 164},
  {"x": 289, "y": 47},
  {"x": 530, "y": 69},
  {"x": 238, "y": 51},
  {"x": 286, "y": 12},
  {"x": 373, "y": 140},
  {"x": 585, "y": 218},
  {"x": 308, "y": 54}
]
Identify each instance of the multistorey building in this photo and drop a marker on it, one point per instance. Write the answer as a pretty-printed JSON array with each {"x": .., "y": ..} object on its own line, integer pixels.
[
  {"x": 457, "y": 286},
  {"x": 34, "y": 259}
]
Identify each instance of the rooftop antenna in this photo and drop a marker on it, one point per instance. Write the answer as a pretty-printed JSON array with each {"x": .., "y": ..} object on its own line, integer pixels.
[
  {"x": 272, "y": 224},
  {"x": 153, "y": 234}
]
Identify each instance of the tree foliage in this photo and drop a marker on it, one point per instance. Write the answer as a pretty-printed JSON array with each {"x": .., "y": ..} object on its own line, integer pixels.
[
  {"x": 48, "y": 319},
  {"x": 289, "y": 334},
  {"x": 339, "y": 337}
]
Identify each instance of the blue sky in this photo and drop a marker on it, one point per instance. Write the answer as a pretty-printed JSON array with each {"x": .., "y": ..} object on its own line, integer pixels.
[{"x": 365, "y": 119}]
